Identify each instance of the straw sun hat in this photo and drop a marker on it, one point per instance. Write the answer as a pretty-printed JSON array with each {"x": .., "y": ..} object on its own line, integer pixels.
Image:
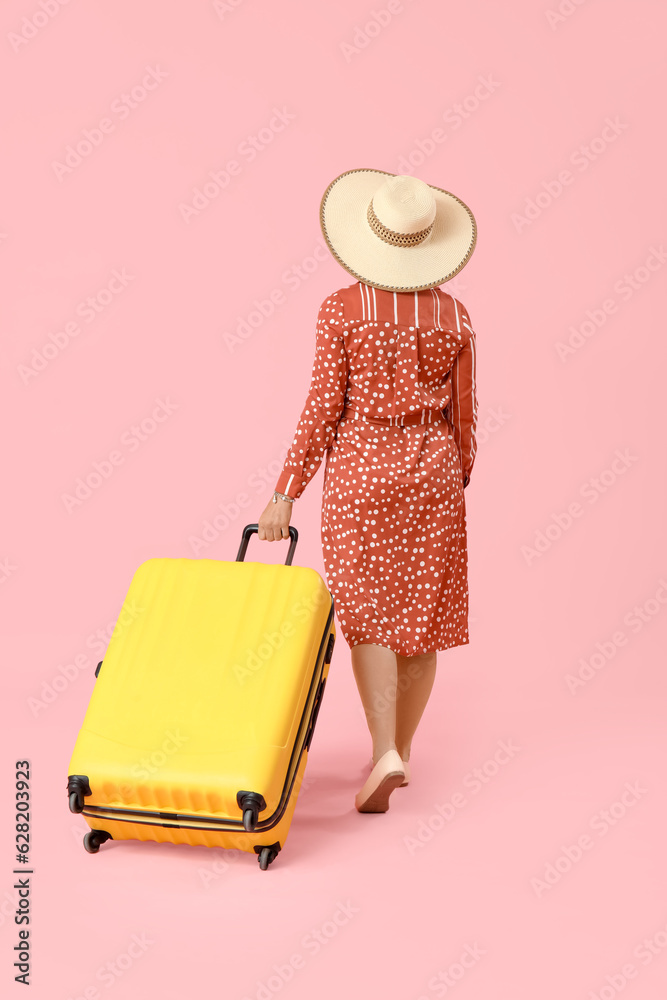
[{"x": 394, "y": 231}]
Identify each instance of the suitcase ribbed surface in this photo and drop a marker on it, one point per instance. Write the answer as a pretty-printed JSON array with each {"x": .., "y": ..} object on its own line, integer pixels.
[{"x": 204, "y": 686}]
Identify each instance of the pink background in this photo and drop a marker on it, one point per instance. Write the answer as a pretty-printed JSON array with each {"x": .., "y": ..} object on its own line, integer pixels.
[{"x": 534, "y": 99}]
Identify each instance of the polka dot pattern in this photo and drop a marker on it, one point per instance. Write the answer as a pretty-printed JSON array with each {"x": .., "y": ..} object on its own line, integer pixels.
[{"x": 393, "y": 529}]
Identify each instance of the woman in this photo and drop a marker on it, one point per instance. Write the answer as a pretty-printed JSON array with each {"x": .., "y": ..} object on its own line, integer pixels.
[{"x": 392, "y": 403}]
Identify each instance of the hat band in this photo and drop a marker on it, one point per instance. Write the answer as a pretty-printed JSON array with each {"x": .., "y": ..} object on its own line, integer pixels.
[{"x": 391, "y": 235}]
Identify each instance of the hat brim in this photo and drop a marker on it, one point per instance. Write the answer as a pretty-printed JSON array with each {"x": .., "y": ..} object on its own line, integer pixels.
[{"x": 353, "y": 243}]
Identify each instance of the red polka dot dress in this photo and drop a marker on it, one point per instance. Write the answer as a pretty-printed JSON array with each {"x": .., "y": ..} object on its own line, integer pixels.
[{"x": 392, "y": 405}]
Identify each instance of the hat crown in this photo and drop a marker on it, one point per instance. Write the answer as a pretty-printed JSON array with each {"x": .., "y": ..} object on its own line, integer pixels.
[{"x": 404, "y": 204}]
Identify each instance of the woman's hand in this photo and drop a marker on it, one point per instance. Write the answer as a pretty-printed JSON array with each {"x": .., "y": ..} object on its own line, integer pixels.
[{"x": 274, "y": 522}]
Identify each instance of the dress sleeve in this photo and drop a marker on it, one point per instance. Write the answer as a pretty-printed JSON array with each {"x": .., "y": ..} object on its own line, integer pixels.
[
  {"x": 324, "y": 403},
  {"x": 462, "y": 408}
]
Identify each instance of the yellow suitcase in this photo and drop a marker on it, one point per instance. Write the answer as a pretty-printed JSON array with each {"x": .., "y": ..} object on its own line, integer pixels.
[{"x": 203, "y": 711}]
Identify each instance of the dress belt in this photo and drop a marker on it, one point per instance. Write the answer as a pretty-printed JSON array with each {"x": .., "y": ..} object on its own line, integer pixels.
[{"x": 400, "y": 420}]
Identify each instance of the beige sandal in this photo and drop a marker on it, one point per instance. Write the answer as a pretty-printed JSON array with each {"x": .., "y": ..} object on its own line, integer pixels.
[
  {"x": 406, "y": 768},
  {"x": 386, "y": 775}
]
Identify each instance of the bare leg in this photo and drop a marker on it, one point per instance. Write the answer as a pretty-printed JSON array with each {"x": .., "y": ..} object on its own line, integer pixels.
[
  {"x": 375, "y": 671},
  {"x": 415, "y": 676}
]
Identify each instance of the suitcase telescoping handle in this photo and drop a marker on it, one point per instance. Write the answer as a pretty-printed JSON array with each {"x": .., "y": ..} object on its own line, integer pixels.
[{"x": 247, "y": 532}]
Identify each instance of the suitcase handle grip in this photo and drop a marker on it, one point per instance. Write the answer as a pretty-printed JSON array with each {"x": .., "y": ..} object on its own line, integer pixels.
[{"x": 250, "y": 528}]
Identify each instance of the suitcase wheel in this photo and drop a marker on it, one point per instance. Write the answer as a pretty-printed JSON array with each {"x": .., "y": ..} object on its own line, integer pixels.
[
  {"x": 94, "y": 839},
  {"x": 77, "y": 787},
  {"x": 267, "y": 854},
  {"x": 76, "y": 801},
  {"x": 251, "y": 803}
]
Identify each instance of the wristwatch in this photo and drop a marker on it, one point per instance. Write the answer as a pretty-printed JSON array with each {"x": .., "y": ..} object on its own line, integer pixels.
[{"x": 282, "y": 497}]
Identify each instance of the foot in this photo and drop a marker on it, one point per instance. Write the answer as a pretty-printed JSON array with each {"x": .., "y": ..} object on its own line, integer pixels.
[{"x": 385, "y": 776}]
